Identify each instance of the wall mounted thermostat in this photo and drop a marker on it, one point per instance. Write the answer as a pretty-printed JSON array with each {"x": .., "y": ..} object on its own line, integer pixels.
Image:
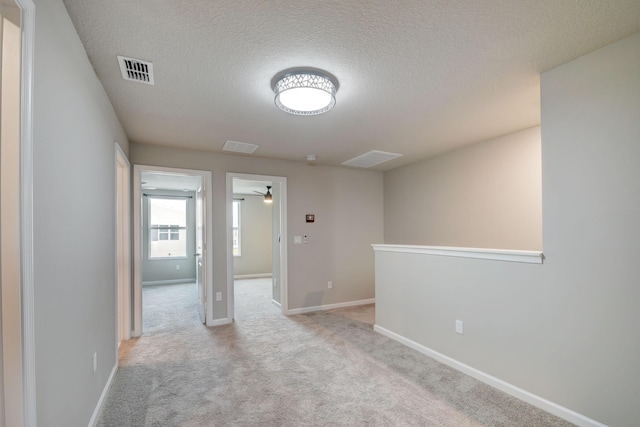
[{"x": 311, "y": 218}]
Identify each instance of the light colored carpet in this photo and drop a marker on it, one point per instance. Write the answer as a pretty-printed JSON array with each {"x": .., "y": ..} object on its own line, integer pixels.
[{"x": 319, "y": 369}]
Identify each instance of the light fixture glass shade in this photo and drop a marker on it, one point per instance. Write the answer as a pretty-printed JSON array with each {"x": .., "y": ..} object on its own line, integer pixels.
[
  {"x": 305, "y": 93},
  {"x": 268, "y": 198}
]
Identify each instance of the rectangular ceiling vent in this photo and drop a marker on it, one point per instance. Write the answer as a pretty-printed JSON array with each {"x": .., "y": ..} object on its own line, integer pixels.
[
  {"x": 240, "y": 147},
  {"x": 136, "y": 70},
  {"x": 372, "y": 158}
]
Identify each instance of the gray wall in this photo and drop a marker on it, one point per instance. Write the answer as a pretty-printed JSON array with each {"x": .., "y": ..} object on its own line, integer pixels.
[
  {"x": 255, "y": 235},
  {"x": 74, "y": 223},
  {"x": 565, "y": 330},
  {"x": 349, "y": 218},
  {"x": 159, "y": 270},
  {"x": 487, "y": 195}
]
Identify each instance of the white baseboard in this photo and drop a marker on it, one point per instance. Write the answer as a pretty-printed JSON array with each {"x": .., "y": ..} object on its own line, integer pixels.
[
  {"x": 537, "y": 401},
  {"x": 169, "y": 282},
  {"x": 252, "y": 276},
  {"x": 330, "y": 306},
  {"x": 276, "y": 303},
  {"x": 219, "y": 322},
  {"x": 105, "y": 390}
]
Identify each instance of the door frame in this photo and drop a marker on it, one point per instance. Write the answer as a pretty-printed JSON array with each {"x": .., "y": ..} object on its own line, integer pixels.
[
  {"x": 200, "y": 246},
  {"x": 25, "y": 328},
  {"x": 137, "y": 238},
  {"x": 282, "y": 183},
  {"x": 123, "y": 245}
]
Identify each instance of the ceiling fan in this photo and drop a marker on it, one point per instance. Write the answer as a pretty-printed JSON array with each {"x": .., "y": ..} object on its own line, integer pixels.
[{"x": 267, "y": 196}]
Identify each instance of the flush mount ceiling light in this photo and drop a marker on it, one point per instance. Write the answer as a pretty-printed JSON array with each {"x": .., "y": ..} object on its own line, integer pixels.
[{"x": 305, "y": 92}]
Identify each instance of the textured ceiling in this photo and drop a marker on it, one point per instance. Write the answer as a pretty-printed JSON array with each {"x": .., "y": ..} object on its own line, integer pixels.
[{"x": 417, "y": 77}]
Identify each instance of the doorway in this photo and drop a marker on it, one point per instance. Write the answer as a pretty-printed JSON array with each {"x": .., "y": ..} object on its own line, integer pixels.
[
  {"x": 172, "y": 227},
  {"x": 257, "y": 230}
]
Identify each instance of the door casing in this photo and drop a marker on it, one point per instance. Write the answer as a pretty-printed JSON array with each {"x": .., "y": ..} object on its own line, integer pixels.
[
  {"x": 123, "y": 245},
  {"x": 23, "y": 406}
]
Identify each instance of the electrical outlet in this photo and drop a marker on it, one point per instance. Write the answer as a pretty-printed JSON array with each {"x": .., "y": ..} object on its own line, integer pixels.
[
  {"x": 218, "y": 296},
  {"x": 330, "y": 284},
  {"x": 275, "y": 283},
  {"x": 297, "y": 240},
  {"x": 95, "y": 362},
  {"x": 178, "y": 267},
  {"x": 459, "y": 327}
]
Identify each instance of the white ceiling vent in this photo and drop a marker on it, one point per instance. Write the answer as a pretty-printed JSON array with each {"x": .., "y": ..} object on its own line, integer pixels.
[
  {"x": 240, "y": 147},
  {"x": 136, "y": 70},
  {"x": 372, "y": 158}
]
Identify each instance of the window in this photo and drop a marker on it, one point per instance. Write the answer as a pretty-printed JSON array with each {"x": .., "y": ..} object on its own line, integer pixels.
[
  {"x": 167, "y": 228},
  {"x": 236, "y": 228}
]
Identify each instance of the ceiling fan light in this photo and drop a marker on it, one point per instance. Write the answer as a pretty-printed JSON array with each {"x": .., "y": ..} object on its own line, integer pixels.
[
  {"x": 268, "y": 198},
  {"x": 305, "y": 93}
]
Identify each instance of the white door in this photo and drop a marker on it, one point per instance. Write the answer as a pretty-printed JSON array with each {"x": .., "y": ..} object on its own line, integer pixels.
[
  {"x": 275, "y": 243},
  {"x": 201, "y": 248}
]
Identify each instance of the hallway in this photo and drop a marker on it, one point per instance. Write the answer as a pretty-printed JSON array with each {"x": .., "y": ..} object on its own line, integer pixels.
[{"x": 323, "y": 368}]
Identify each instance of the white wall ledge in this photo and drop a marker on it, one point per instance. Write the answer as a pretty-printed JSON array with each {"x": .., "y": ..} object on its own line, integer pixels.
[{"x": 528, "y": 257}]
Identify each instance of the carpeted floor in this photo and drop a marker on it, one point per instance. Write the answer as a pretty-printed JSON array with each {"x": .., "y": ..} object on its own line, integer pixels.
[{"x": 319, "y": 369}]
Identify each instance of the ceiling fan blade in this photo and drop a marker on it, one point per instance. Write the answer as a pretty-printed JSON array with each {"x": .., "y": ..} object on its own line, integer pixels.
[{"x": 262, "y": 194}]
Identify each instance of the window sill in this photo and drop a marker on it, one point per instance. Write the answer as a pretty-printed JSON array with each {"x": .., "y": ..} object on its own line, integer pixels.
[{"x": 528, "y": 257}]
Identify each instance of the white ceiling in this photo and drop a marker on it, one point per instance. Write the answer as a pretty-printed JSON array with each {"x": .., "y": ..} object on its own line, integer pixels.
[
  {"x": 416, "y": 77},
  {"x": 178, "y": 182},
  {"x": 249, "y": 187},
  {"x": 169, "y": 181}
]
